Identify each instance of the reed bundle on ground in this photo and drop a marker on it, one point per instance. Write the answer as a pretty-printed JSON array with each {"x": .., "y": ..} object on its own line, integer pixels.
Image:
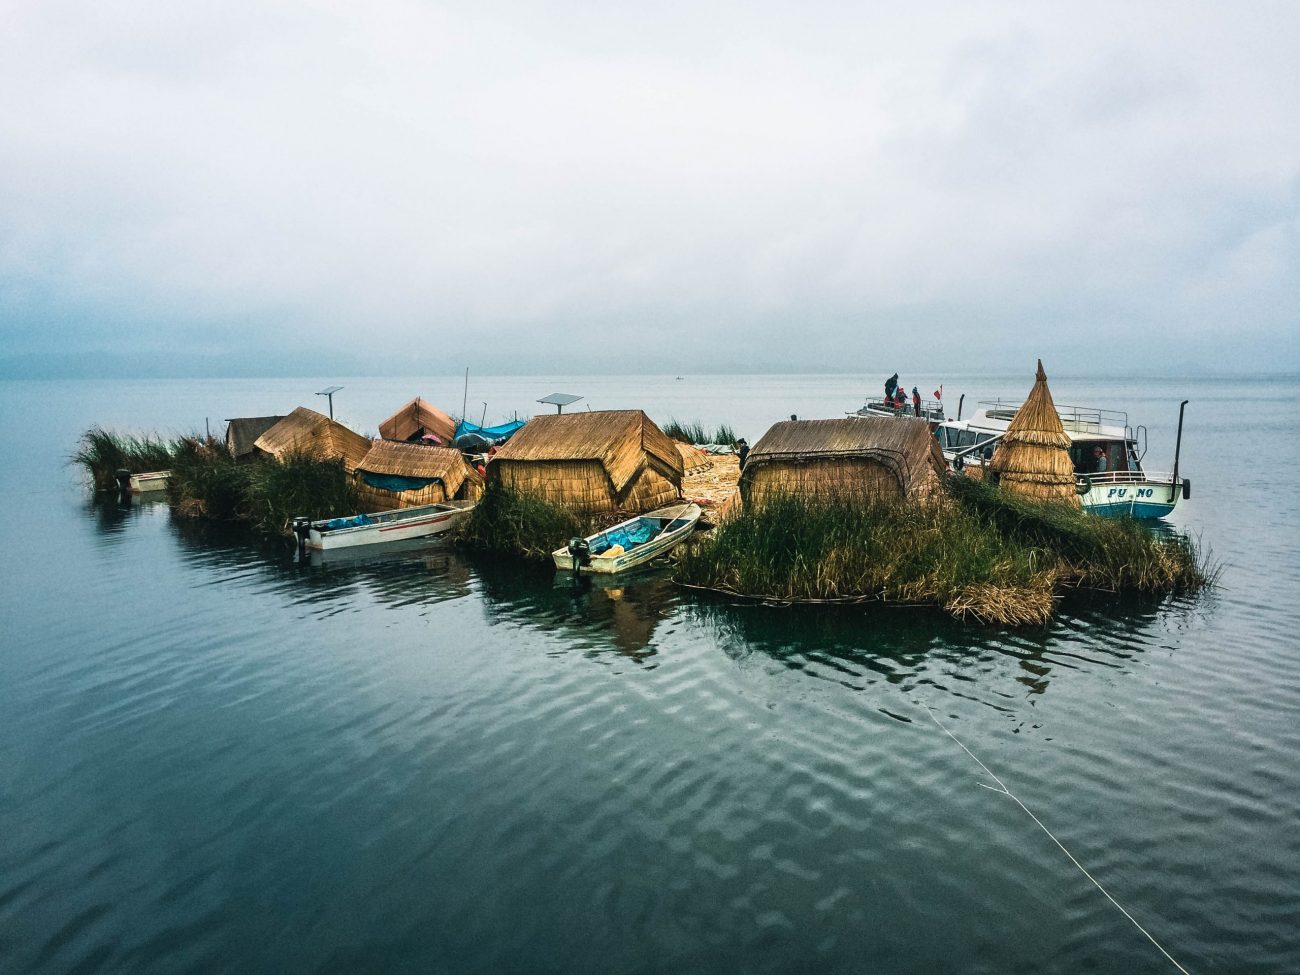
[
  {"x": 510, "y": 522},
  {"x": 104, "y": 452}
]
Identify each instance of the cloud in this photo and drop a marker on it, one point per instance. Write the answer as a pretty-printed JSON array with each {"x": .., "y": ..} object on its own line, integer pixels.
[{"x": 762, "y": 186}]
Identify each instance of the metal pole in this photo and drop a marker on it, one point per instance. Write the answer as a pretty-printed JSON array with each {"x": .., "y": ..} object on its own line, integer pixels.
[
  {"x": 959, "y": 402},
  {"x": 330, "y": 397},
  {"x": 1178, "y": 448},
  {"x": 464, "y": 403}
]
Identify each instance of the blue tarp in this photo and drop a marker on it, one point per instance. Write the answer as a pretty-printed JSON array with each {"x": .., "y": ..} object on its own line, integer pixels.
[
  {"x": 642, "y": 531},
  {"x": 498, "y": 432},
  {"x": 356, "y": 521},
  {"x": 395, "y": 482}
]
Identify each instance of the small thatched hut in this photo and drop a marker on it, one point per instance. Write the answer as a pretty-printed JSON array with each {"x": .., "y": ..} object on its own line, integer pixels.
[
  {"x": 1033, "y": 456},
  {"x": 403, "y": 475},
  {"x": 891, "y": 457},
  {"x": 416, "y": 419},
  {"x": 610, "y": 460},
  {"x": 242, "y": 433},
  {"x": 307, "y": 431}
]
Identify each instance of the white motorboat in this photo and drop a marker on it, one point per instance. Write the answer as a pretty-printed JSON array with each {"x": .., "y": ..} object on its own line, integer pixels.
[
  {"x": 381, "y": 526},
  {"x": 1106, "y": 450},
  {"x": 630, "y": 543}
]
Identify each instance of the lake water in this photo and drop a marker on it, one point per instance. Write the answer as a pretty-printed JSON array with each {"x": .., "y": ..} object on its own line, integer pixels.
[{"x": 214, "y": 759}]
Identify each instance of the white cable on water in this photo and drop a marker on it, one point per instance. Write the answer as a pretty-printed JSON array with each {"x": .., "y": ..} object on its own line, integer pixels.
[{"x": 1007, "y": 792}]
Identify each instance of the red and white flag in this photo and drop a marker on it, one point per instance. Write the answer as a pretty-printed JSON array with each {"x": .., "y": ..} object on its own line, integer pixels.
[{"x": 938, "y": 393}]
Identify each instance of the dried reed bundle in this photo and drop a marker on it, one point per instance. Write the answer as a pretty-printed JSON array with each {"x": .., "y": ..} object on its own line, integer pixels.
[{"x": 1033, "y": 457}]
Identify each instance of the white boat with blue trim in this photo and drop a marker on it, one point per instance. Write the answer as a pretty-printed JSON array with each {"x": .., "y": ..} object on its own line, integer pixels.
[
  {"x": 630, "y": 543},
  {"x": 401, "y": 525},
  {"x": 1106, "y": 450}
]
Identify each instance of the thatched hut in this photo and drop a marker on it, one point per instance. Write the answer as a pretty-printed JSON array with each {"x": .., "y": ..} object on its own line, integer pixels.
[
  {"x": 403, "y": 475},
  {"x": 306, "y": 431},
  {"x": 242, "y": 433},
  {"x": 845, "y": 458},
  {"x": 417, "y": 419},
  {"x": 604, "y": 461},
  {"x": 1033, "y": 456}
]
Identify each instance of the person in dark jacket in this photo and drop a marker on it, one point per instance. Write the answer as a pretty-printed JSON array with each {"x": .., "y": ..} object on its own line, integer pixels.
[
  {"x": 916, "y": 401},
  {"x": 742, "y": 451},
  {"x": 891, "y": 384}
]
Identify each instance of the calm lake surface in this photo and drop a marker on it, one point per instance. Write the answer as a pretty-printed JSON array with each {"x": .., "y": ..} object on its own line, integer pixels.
[{"x": 214, "y": 759}]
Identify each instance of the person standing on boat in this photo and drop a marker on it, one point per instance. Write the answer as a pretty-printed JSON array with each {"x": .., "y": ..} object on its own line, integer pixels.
[
  {"x": 916, "y": 401},
  {"x": 1099, "y": 459},
  {"x": 891, "y": 384}
]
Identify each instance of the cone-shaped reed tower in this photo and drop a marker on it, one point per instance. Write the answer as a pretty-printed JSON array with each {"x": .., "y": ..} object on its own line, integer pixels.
[{"x": 1033, "y": 457}]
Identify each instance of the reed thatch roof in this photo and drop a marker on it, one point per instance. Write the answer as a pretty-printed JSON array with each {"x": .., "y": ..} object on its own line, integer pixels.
[
  {"x": 904, "y": 446},
  {"x": 447, "y": 464},
  {"x": 242, "y": 433},
  {"x": 621, "y": 441},
  {"x": 1033, "y": 456},
  {"x": 307, "y": 431},
  {"x": 417, "y": 418}
]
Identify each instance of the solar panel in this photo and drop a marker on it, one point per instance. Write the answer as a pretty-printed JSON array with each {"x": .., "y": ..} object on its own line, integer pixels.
[{"x": 560, "y": 399}]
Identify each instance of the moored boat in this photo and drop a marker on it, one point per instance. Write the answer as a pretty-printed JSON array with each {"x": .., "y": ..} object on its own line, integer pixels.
[
  {"x": 1107, "y": 453},
  {"x": 381, "y": 526},
  {"x": 630, "y": 543},
  {"x": 143, "y": 483}
]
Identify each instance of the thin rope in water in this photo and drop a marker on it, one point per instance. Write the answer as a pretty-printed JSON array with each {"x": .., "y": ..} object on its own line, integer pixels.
[{"x": 1002, "y": 788}]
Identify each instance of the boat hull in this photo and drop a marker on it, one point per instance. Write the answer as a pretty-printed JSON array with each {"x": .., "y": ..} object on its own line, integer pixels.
[
  {"x": 640, "y": 555},
  {"x": 1132, "y": 499},
  {"x": 149, "y": 482},
  {"x": 423, "y": 522}
]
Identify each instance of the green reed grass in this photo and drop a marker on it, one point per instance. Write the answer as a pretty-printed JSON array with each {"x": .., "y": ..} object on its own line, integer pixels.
[
  {"x": 207, "y": 482},
  {"x": 1100, "y": 553},
  {"x": 298, "y": 484},
  {"x": 977, "y": 552},
  {"x": 696, "y": 433},
  {"x": 103, "y": 452},
  {"x": 510, "y": 522},
  {"x": 797, "y": 549}
]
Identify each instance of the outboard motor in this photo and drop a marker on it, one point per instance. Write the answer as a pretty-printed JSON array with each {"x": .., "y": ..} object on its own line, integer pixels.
[
  {"x": 580, "y": 552},
  {"x": 123, "y": 478},
  {"x": 301, "y": 530}
]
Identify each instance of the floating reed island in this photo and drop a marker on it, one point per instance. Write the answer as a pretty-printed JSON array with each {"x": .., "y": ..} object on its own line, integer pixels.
[{"x": 852, "y": 510}]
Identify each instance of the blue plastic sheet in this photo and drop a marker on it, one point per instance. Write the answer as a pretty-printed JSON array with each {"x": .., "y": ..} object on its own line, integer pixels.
[
  {"x": 498, "y": 432},
  {"x": 628, "y": 536},
  {"x": 356, "y": 521}
]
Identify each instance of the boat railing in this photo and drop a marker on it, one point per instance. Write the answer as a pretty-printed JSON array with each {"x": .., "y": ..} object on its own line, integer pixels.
[
  {"x": 1129, "y": 477},
  {"x": 1075, "y": 419},
  {"x": 931, "y": 409}
]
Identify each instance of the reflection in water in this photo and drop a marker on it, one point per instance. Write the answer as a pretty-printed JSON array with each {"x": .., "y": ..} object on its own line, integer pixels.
[{"x": 595, "y": 614}]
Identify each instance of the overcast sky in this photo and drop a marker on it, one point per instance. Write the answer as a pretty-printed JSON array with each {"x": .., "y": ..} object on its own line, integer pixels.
[{"x": 654, "y": 187}]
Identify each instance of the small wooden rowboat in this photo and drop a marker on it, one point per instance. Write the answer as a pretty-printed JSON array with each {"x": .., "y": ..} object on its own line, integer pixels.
[
  {"x": 152, "y": 481},
  {"x": 630, "y": 543},
  {"x": 382, "y": 526}
]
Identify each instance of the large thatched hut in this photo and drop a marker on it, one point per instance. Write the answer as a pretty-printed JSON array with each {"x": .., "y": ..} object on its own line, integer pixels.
[
  {"x": 417, "y": 419},
  {"x": 306, "y": 431},
  {"x": 610, "y": 460},
  {"x": 242, "y": 433},
  {"x": 1033, "y": 456},
  {"x": 853, "y": 457},
  {"x": 403, "y": 475}
]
